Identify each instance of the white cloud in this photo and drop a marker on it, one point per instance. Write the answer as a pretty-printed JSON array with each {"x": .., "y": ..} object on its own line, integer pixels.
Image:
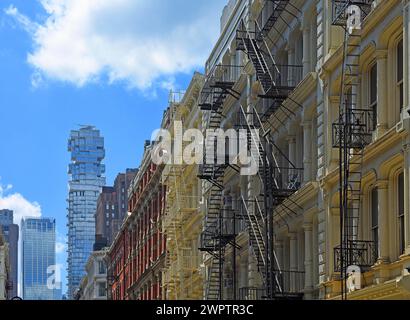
[
  {"x": 131, "y": 41},
  {"x": 25, "y": 22},
  {"x": 61, "y": 241},
  {"x": 60, "y": 247},
  {"x": 20, "y": 205}
]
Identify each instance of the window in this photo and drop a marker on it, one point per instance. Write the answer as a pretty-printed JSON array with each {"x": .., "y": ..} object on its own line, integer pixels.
[
  {"x": 101, "y": 267},
  {"x": 373, "y": 93},
  {"x": 101, "y": 289},
  {"x": 375, "y": 218},
  {"x": 400, "y": 195},
  {"x": 400, "y": 76}
]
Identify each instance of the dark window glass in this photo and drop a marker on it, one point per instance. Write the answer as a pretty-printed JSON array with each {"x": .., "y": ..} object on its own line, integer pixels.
[
  {"x": 375, "y": 217},
  {"x": 400, "y": 187},
  {"x": 400, "y": 71},
  {"x": 400, "y": 61},
  {"x": 373, "y": 93}
]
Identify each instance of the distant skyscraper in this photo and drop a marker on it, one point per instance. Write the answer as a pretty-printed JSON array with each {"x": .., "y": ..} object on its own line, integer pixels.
[
  {"x": 6, "y": 217},
  {"x": 38, "y": 258},
  {"x": 112, "y": 208},
  {"x": 86, "y": 179},
  {"x": 11, "y": 232}
]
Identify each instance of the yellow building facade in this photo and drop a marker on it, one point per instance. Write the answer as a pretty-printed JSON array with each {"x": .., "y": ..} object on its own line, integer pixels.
[
  {"x": 265, "y": 43},
  {"x": 383, "y": 219},
  {"x": 182, "y": 222},
  {"x": 290, "y": 69}
]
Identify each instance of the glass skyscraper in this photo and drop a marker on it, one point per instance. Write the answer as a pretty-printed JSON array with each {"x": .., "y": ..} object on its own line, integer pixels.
[
  {"x": 11, "y": 232},
  {"x": 39, "y": 259},
  {"x": 86, "y": 179}
]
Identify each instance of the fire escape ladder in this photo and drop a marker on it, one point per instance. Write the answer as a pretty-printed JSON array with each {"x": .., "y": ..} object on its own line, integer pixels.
[
  {"x": 213, "y": 284},
  {"x": 352, "y": 132}
]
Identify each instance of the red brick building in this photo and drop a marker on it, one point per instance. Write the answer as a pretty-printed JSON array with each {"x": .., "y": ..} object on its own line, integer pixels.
[
  {"x": 112, "y": 208},
  {"x": 136, "y": 257}
]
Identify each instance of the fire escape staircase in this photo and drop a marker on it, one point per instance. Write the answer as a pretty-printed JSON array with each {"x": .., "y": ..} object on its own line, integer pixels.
[
  {"x": 277, "y": 82},
  {"x": 218, "y": 86},
  {"x": 273, "y": 187}
]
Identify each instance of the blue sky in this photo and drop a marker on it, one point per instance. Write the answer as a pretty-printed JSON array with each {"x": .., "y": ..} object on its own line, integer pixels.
[{"x": 109, "y": 63}]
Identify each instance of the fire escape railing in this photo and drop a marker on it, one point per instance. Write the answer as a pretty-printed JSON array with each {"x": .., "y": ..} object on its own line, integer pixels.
[
  {"x": 292, "y": 282},
  {"x": 218, "y": 85},
  {"x": 360, "y": 128},
  {"x": 357, "y": 253},
  {"x": 340, "y": 7}
]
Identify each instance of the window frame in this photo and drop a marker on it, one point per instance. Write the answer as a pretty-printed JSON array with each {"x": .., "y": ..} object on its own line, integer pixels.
[
  {"x": 399, "y": 82},
  {"x": 373, "y": 105},
  {"x": 374, "y": 227},
  {"x": 400, "y": 216}
]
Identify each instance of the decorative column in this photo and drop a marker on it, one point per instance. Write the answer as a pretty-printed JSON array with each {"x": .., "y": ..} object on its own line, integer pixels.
[
  {"x": 292, "y": 158},
  {"x": 383, "y": 255},
  {"x": 306, "y": 47},
  {"x": 307, "y": 227},
  {"x": 381, "y": 56},
  {"x": 293, "y": 260},
  {"x": 332, "y": 117},
  {"x": 307, "y": 151},
  {"x": 252, "y": 270},
  {"x": 292, "y": 148},
  {"x": 243, "y": 274},
  {"x": 279, "y": 252},
  {"x": 291, "y": 62}
]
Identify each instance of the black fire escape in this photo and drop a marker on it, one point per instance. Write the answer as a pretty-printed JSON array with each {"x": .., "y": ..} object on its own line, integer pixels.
[
  {"x": 219, "y": 84},
  {"x": 280, "y": 178},
  {"x": 352, "y": 132}
]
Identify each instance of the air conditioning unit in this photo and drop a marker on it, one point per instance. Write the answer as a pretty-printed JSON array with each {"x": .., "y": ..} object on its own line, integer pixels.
[{"x": 354, "y": 278}]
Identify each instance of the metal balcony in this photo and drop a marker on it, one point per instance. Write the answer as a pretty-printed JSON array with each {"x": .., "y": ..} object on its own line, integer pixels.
[
  {"x": 290, "y": 285},
  {"x": 216, "y": 236},
  {"x": 287, "y": 181},
  {"x": 286, "y": 77},
  {"x": 358, "y": 131},
  {"x": 358, "y": 253},
  {"x": 218, "y": 85},
  {"x": 340, "y": 7}
]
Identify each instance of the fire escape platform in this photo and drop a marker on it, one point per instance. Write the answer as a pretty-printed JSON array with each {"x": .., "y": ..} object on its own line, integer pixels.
[
  {"x": 306, "y": 193},
  {"x": 301, "y": 92}
]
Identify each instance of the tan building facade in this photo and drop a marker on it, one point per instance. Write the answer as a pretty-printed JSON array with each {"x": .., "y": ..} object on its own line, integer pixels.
[
  {"x": 278, "y": 67},
  {"x": 182, "y": 222},
  {"x": 94, "y": 285}
]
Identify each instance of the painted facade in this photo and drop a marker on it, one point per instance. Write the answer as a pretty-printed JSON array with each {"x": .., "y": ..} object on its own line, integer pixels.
[
  {"x": 137, "y": 255},
  {"x": 182, "y": 222}
]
